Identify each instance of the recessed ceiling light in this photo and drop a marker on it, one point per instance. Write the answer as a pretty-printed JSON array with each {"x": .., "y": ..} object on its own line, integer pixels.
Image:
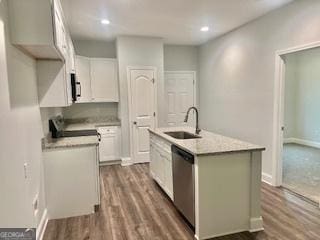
[
  {"x": 204, "y": 29},
  {"x": 105, "y": 21}
]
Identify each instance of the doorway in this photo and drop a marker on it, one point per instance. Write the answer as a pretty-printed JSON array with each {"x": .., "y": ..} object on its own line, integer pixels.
[
  {"x": 142, "y": 91},
  {"x": 180, "y": 94},
  {"x": 298, "y": 143}
]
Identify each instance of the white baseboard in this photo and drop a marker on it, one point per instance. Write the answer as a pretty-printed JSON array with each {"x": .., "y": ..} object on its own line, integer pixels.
[
  {"x": 126, "y": 161},
  {"x": 302, "y": 142},
  {"x": 42, "y": 225},
  {"x": 267, "y": 178},
  {"x": 256, "y": 224}
]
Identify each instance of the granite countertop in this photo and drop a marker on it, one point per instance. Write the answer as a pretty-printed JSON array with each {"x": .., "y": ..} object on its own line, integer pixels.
[
  {"x": 53, "y": 143},
  {"x": 80, "y": 124},
  {"x": 90, "y": 123},
  {"x": 210, "y": 143}
]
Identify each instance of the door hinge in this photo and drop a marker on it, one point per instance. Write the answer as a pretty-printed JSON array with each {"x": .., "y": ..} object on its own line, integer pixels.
[
  {"x": 193, "y": 81},
  {"x": 282, "y": 128},
  {"x": 154, "y": 114},
  {"x": 153, "y": 80}
]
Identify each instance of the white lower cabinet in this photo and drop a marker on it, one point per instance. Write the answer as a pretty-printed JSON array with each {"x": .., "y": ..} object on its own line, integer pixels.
[
  {"x": 161, "y": 164},
  {"x": 71, "y": 181},
  {"x": 109, "y": 147}
]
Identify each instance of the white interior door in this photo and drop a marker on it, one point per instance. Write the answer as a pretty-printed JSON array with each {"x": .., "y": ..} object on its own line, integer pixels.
[
  {"x": 180, "y": 95},
  {"x": 142, "y": 111}
]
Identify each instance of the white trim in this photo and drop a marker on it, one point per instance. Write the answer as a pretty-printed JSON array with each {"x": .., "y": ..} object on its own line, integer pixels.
[
  {"x": 195, "y": 87},
  {"x": 129, "y": 68},
  {"x": 278, "y": 109},
  {"x": 256, "y": 224},
  {"x": 222, "y": 234},
  {"x": 126, "y": 161},
  {"x": 302, "y": 142},
  {"x": 42, "y": 225},
  {"x": 267, "y": 178}
]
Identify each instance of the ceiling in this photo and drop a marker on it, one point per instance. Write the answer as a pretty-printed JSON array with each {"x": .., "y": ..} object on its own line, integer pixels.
[{"x": 177, "y": 21}]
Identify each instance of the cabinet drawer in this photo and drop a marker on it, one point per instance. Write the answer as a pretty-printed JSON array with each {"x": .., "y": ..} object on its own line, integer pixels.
[{"x": 107, "y": 130}]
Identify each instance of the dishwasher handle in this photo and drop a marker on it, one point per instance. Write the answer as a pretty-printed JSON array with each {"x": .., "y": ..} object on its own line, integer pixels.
[{"x": 183, "y": 154}]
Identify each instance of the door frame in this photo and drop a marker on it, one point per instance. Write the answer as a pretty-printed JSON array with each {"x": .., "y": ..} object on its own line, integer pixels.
[
  {"x": 195, "y": 102},
  {"x": 278, "y": 108},
  {"x": 129, "y": 69}
]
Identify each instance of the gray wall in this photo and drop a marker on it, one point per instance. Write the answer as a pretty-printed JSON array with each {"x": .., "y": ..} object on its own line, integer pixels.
[
  {"x": 180, "y": 58},
  {"x": 21, "y": 133},
  {"x": 137, "y": 51},
  {"x": 237, "y": 73},
  {"x": 91, "y": 48},
  {"x": 302, "y": 98}
]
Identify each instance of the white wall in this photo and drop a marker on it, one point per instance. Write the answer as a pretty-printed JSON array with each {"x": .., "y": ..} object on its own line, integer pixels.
[
  {"x": 302, "y": 98},
  {"x": 21, "y": 133},
  {"x": 237, "y": 73},
  {"x": 137, "y": 51},
  {"x": 91, "y": 48},
  {"x": 91, "y": 110}
]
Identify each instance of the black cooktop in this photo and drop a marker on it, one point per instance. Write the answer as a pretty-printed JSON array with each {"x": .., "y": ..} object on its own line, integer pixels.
[{"x": 78, "y": 133}]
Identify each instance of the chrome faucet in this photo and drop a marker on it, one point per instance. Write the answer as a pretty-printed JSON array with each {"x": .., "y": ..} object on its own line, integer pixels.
[{"x": 198, "y": 130}]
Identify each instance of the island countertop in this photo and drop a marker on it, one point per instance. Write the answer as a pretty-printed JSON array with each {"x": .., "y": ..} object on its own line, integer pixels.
[{"x": 209, "y": 143}]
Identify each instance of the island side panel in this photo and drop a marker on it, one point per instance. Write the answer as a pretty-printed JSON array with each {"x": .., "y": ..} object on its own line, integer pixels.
[
  {"x": 223, "y": 194},
  {"x": 256, "y": 223}
]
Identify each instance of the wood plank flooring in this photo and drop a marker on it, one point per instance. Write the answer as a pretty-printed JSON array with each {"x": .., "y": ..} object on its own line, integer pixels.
[{"x": 133, "y": 207}]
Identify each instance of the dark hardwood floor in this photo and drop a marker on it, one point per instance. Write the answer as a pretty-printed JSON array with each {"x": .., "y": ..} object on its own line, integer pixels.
[{"x": 133, "y": 207}]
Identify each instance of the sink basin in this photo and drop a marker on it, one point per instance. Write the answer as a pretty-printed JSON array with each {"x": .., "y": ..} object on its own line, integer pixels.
[{"x": 182, "y": 135}]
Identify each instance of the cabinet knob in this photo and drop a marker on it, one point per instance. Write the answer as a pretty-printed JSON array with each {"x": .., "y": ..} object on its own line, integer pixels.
[{"x": 135, "y": 123}]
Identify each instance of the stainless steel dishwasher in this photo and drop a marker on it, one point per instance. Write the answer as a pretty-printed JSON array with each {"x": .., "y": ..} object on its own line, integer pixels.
[{"x": 183, "y": 183}]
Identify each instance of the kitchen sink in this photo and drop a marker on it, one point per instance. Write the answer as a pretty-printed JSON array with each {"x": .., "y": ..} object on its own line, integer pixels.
[{"x": 182, "y": 135}]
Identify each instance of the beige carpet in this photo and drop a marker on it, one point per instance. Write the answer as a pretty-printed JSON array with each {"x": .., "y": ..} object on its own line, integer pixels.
[{"x": 301, "y": 170}]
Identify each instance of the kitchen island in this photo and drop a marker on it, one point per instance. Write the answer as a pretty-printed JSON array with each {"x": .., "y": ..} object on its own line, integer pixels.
[{"x": 227, "y": 179}]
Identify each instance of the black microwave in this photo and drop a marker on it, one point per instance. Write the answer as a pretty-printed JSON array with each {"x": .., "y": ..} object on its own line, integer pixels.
[{"x": 75, "y": 88}]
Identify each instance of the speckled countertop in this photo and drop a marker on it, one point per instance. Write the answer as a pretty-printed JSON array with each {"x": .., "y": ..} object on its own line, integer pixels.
[
  {"x": 53, "y": 143},
  {"x": 210, "y": 143},
  {"x": 80, "y": 124}
]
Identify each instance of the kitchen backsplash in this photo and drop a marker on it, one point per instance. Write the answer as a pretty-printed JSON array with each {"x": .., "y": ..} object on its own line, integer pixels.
[{"x": 90, "y": 110}]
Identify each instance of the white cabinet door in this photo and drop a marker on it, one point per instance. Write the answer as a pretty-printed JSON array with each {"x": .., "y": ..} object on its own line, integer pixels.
[
  {"x": 161, "y": 164},
  {"x": 152, "y": 160},
  {"x": 104, "y": 80},
  {"x": 59, "y": 28},
  {"x": 83, "y": 76},
  {"x": 168, "y": 180},
  {"x": 109, "y": 147},
  {"x": 70, "y": 172}
]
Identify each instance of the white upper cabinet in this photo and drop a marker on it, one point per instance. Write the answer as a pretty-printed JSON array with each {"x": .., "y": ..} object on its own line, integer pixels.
[
  {"x": 37, "y": 26},
  {"x": 83, "y": 76},
  {"x": 53, "y": 90},
  {"x": 98, "y": 78},
  {"x": 104, "y": 80}
]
